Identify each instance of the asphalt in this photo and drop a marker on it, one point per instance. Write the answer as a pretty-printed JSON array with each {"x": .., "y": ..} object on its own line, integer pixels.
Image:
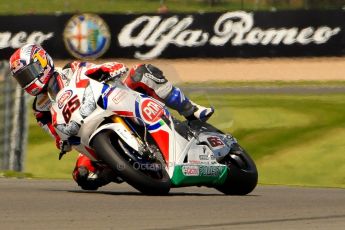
[{"x": 60, "y": 204}]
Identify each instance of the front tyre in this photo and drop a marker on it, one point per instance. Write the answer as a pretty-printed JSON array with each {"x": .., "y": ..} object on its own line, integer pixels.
[{"x": 114, "y": 152}]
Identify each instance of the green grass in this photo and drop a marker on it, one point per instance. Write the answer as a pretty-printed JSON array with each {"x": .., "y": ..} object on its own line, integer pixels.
[
  {"x": 140, "y": 6},
  {"x": 10, "y": 173},
  {"x": 294, "y": 139},
  {"x": 318, "y": 162},
  {"x": 42, "y": 155},
  {"x": 109, "y": 6}
]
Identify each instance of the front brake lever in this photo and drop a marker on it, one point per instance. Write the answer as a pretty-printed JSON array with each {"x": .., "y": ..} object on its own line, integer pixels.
[
  {"x": 73, "y": 140},
  {"x": 61, "y": 154}
]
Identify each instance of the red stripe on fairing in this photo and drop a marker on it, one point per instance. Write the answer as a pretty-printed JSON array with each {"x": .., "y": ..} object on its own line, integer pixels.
[
  {"x": 75, "y": 65},
  {"x": 124, "y": 113},
  {"x": 54, "y": 117},
  {"x": 162, "y": 139},
  {"x": 91, "y": 152},
  {"x": 59, "y": 81},
  {"x": 81, "y": 83},
  {"x": 52, "y": 130}
]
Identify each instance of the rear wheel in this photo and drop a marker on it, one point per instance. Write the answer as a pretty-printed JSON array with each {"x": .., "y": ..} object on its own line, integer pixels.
[
  {"x": 242, "y": 173},
  {"x": 144, "y": 173}
]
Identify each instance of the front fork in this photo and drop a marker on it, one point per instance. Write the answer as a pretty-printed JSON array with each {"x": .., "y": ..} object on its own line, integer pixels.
[{"x": 144, "y": 147}]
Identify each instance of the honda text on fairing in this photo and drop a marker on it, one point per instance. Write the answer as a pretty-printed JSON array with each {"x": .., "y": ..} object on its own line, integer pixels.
[{"x": 143, "y": 144}]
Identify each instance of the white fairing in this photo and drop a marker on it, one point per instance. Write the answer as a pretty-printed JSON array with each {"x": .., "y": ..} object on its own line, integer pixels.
[
  {"x": 121, "y": 131},
  {"x": 77, "y": 112}
]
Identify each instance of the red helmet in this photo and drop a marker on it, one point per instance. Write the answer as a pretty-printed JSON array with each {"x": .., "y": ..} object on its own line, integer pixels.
[{"x": 32, "y": 67}]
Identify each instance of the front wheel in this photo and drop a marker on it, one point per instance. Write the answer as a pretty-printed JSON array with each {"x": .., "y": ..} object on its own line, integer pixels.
[
  {"x": 242, "y": 173},
  {"x": 146, "y": 175}
]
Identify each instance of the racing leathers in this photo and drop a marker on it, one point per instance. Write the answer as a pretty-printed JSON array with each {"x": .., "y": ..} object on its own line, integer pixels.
[{"x": 144, "y": 78}]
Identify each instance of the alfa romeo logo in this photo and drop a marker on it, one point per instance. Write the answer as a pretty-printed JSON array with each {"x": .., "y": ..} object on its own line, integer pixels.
[{"x": 86, "y": 36}]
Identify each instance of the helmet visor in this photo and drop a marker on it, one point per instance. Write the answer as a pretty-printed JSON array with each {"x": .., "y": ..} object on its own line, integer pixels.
[{"x": 28, "y": 74}]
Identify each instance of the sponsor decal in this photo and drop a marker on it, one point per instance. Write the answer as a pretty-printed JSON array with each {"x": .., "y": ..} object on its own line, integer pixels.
[
  {"x": 151, "y": 111},
  {"x": 215, "y": 141},
  {"x": 119, "y": 96},
  {"x": 86, "y": 36},
  {"x": 213, "y": 171},
  {"x": 40, "y": 56},
  {"x": 34, "y": 88},
  {"x": 64, "y": 97},
  {"x": 232, "y": 29},
  {"x": 17, "y": 65},
  {"x": 158, "y": 80},
  {"x": 190, "y": 170},
  {"x": 204, "y": 157},
  {"x": 108, "y": 91},
  {"x": 16, "y": 40}
]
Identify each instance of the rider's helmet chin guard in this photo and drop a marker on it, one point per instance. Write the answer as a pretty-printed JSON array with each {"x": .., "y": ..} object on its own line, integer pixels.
[{"x": 32, "y": 67}]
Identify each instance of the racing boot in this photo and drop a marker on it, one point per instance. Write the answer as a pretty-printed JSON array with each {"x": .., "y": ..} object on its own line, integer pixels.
[
  {"x": 90, "y": 176},
  {"x": 190, "y": 110}
]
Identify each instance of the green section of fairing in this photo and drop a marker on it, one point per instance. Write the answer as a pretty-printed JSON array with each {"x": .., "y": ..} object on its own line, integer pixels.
[{"x": 194, "y": 174}]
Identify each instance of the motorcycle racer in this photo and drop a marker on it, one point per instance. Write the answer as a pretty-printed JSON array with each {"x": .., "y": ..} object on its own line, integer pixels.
[{"x": 34, "y": 70}]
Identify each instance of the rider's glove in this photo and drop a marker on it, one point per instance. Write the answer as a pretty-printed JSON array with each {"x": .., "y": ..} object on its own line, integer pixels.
[
  {"x": 114, "y": 69},
  {"x": 106, "y": 71}
]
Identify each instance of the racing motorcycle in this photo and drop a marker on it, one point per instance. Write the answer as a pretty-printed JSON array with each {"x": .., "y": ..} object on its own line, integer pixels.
[{"x": 137, "y": 137}]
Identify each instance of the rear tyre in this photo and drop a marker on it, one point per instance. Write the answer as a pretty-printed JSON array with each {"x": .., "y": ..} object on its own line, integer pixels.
[
  {"x": 114, "y": 152},
  {"x": 242, "y": 173}
]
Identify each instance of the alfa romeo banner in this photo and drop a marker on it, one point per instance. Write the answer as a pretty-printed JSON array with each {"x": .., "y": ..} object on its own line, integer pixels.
[{"x": 149, "y": 36}]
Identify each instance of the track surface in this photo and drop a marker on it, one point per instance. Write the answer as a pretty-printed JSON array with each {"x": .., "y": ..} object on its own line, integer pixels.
[{"x": 56, "y": 204}]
